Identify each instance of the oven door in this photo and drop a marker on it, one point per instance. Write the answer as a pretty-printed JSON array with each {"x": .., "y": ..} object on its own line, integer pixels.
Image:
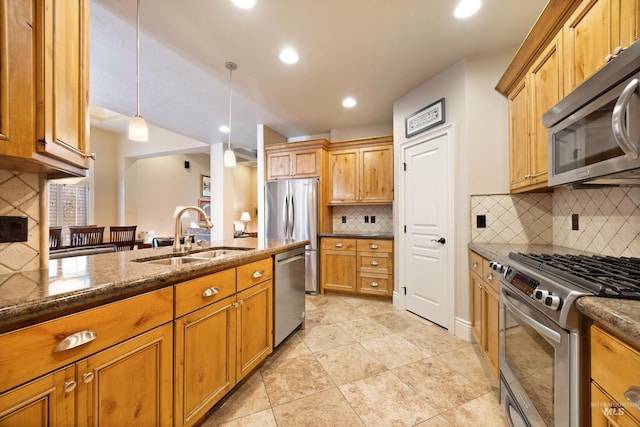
[{"x": 534, "y": 362}]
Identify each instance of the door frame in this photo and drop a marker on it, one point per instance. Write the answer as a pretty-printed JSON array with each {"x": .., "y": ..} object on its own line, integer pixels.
[{"x": 399, "y": 298}]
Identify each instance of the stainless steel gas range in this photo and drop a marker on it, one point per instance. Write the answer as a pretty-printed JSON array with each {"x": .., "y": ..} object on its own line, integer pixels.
[{"x": 544, "y": 373}]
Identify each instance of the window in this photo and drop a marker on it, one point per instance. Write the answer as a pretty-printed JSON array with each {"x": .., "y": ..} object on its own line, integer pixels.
[{"x": 68, "y": 205}]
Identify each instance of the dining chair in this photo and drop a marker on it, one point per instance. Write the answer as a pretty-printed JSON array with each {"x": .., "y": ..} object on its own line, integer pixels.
[
  {"x": 55, "y": 237},
  {"x": 85, "y": 236},
  {"x": 124, "y": 237}
]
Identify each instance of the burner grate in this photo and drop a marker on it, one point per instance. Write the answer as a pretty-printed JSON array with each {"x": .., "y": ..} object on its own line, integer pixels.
[{"x": 603, "y": 275}]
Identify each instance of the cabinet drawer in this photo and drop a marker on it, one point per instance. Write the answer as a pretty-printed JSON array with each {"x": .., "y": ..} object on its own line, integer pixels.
[
  {"x": 490, "y": 277},
  {"x": 615, "y": 366},
  {"x": 338, "y": 244},
  {"x": 30, "y": 352},
  {"x": 370, "y": 245},
  {"x": 475, "y": 263},
  {"x": 378, "y": 262},
  {"x": 254, "y": 273},
  {"x": 374, "y": 284},
  {"x": 196, "y": 293}
]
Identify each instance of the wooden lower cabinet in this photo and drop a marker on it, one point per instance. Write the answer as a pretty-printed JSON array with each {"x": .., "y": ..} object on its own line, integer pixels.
[
  {"x": 255, "y": 327},
  {"x": 128, "y": 384},
  {"x": 485, "y": 307}
]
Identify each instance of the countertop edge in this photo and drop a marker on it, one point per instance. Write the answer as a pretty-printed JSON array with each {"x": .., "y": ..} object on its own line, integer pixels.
[
  {"x": 620, "y": 316},
  {"x": 378, "y": 236}
]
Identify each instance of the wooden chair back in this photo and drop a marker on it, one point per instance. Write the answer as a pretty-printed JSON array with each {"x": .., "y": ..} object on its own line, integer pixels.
[
  {"x": 124, "y": 237},
  {"x": 55, "y": 237},
  {"x": 85, "y": 235}
]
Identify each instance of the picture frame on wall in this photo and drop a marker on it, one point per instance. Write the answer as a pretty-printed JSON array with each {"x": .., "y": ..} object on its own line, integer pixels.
[
  {"x": 425, "y": 118},
  {"x": 205, "y": 186},
  {"x": 205, "y": 205}
]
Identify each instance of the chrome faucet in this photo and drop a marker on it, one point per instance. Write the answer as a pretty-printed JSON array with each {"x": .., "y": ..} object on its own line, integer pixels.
[{"x": 176, "y": 238}]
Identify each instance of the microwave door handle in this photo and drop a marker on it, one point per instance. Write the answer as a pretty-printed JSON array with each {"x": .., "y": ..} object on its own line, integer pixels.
[
  {"x": 617, "y": 121},
  {"x": 546, "y": 332}
]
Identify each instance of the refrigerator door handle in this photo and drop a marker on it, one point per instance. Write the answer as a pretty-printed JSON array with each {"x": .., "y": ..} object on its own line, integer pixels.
[
  {"x": 285, "y": 215},
  {"x": 292, "y": 217}
]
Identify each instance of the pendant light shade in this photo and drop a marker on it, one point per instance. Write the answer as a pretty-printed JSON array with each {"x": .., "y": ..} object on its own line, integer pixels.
[
  {"x": 138, "y": 130},
  {"x": 229, "y": 155}
]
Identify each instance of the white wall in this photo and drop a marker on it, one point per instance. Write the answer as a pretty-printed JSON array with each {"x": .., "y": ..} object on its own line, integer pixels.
[
  {"x": 360, "y": 132},
  {"x": 104, "y": 177}
]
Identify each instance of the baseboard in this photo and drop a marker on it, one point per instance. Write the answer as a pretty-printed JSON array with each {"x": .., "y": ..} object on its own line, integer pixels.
[
  {"x": 398, "y": 300},
  {"x": 463, "y": 329}
]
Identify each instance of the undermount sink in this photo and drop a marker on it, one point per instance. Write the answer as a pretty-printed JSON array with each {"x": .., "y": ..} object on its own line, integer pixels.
[{"x": 194, "y": 257}]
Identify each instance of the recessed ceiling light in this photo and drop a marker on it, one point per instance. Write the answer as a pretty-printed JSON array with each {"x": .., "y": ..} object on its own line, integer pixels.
[
  {"x": 244, "y": 4},
  {"x": 288, "y": 55},
  {"x": 349, "y": 102},
  {"x": 224, "y": 129},
  {"x": 466, "y": 8}
]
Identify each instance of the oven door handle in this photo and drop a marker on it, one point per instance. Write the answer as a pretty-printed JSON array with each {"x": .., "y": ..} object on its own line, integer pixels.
[{"x": 539, "y": 327}]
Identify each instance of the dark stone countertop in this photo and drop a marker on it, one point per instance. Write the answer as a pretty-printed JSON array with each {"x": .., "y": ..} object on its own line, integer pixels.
[
  {"x": 77, "y": 283},
  {"x": 620, "y": 316},
  {"x": 381, "y": 236}
]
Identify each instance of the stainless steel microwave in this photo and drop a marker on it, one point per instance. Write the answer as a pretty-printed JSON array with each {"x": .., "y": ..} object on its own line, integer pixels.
[{"x": 594, "y": 133}]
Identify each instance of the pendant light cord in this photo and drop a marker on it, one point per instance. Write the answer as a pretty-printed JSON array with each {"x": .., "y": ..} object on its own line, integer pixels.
[
  {"x": 231, "y": 66},
  {"x": 138, "y": 60}
]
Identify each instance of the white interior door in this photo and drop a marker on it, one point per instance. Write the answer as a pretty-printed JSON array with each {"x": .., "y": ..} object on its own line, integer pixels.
[{"x": 425, "y": 243}]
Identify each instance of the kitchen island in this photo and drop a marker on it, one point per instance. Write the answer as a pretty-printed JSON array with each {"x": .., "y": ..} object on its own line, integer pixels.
[{"x": 114, "y": 339}]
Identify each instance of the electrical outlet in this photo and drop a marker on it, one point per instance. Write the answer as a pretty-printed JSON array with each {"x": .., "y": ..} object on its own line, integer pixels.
[
  {"x": 481, "y": 221},
  {"x": 13, "y": 229},
  {"x": 575, "y": 222},
  {"x": 366, "y": 219},
  {"x": 373, "y": 219},
  {"x": 344, "y": 219}
]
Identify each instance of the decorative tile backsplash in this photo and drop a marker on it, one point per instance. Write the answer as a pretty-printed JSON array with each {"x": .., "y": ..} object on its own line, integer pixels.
[
  {"x": 512, "y": 218},
  {"x": 355, "y": 219},
  {"x": 19, "y": 196}
]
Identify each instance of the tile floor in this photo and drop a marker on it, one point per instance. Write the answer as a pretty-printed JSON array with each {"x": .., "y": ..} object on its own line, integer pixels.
[{"x": 361, "y": 362}]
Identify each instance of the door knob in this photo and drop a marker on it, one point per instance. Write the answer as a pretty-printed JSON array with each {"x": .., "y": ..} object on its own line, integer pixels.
[{"x": 441, "y": 240}]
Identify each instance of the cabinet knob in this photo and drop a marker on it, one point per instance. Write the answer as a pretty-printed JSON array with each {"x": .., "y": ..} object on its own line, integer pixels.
[
  {"x": 69, "y": 386},
  {"x": 209, "y": 292},
  {"x": 76, "y": 340},
  {"x": 374, "y": 263},
  {"x": 373, "y": 246},
  {"x": 87, "y": 378},
  {"x": 479, "y": 286},
  {"x": 489, "y": 276},
  {"x": 475, "y": 265},
  {"x": 258, "y": 274},
  {"x": 338, "y": 245},
  {"x": 374, "y": 284},
  {"x": 234, "y": 305}
]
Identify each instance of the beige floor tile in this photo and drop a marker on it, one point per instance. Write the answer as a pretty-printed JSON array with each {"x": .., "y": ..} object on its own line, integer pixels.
[
  {"x": 364, "y": 329},
  {"x": 384, "y": 400},
  {"x": 393, "y": 320},
  {"x": 343, "y": 313},
  {"x": 249, "y": 398},
  {"x": 373, "y": 306},
  {"x": 263, "y": 419},
  {"x": 349, "y": 363},
  {"x": 469, "y": 362},
  {"x": 484, "y": 410},
  {"x": 316, "y": 318},
  {"x": 438, "y": 421},
  {"x": 394, "y": 351},
  {"x": 433, "y": 338},
  {"x": 325, "y": 337},
  {"x": 327, "y": 408},
  {"x": 321, "y": 301},
  {"x": 440, "y": 385},
  {"x": 292, "y": 346},
  {"x": 291, "y": 379}
]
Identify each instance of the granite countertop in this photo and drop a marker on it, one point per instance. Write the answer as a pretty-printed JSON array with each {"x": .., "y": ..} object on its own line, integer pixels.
[
  {"x": 620, "y": 316},
  {"x": 381, "y": 236},
  {"x": 76, "y": 283}
]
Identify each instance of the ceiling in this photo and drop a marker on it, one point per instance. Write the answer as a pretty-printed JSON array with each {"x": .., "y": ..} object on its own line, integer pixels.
[{"x": 373, "y": 50}]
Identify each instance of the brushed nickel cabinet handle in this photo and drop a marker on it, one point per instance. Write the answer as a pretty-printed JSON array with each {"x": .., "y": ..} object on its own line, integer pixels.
[
  {"x": 374, "y": 284},
  {"x": 76, "y": 340},
  {"x": 372, "y": 246},
  {"x": 374, "y": 263},
  {"x": 69, "y": 386},
  {"x": 258, "y": 274},
  {"x": 338, "y": 245},
  {"x": 209, "y": 292},
  {"x": 633, "y": 395},
  {"x": 87, "y": 378}
]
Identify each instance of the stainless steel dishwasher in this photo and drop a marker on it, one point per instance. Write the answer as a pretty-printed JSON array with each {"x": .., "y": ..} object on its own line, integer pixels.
[{"x": 289, "y": 293}]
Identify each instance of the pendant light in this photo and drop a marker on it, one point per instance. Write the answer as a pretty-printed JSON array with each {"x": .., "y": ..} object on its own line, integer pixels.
[
  {"x": 229, "y": 155},
  {"x": 138, "y": 130}
]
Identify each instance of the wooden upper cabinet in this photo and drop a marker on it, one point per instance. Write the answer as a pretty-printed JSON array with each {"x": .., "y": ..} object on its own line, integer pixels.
[
  {"x": 44, "y": 86},
  {"x": 295, "y": 160},
  {"x": 518, "y": 137},
  {"x": 629, "y": 18},
  {"x": 362, "y": 172}
]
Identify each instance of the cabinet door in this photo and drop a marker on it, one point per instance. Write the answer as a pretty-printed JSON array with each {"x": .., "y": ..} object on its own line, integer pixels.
[
  {"x": 62, "y": 80},
  {"x": 629, "y": 19},
  {"x": 255, "y": 327},
  {"x": 491, "y": 327},
  {"x": 519, "y": 137},
  {"x": 376, "y": 174},
  {"x": 476, "y": 309},
  {"x": 17, "y": 106},
  {"x": 130, "y": 383},
  {"x": 306, "y": 163},
  {"x": 606, "y": 412},
  {"x": 343, "y": 176},
  {"x": 545, "y": 87},
  {"x": 587, "y": 41},
  {"x": 338, "y": 270},
  {"x": 205, "y": 351},
  {"x": 43, "y": 402},
  {"x": 278, "y": 165}
]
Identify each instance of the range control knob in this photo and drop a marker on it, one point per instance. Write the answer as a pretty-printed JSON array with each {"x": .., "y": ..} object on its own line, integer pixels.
[
  {"x": 496, "y": 266},
  {"x": 553, "y": 302},
  {"x": 540, "y": 294}
]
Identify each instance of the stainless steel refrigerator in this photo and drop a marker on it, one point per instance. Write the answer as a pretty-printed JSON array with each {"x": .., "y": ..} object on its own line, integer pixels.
[{"x": 292, "y": 213}]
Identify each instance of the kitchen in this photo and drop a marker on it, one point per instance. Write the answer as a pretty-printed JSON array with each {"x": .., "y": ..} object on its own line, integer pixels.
[{"x": 481, "y": 193}]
